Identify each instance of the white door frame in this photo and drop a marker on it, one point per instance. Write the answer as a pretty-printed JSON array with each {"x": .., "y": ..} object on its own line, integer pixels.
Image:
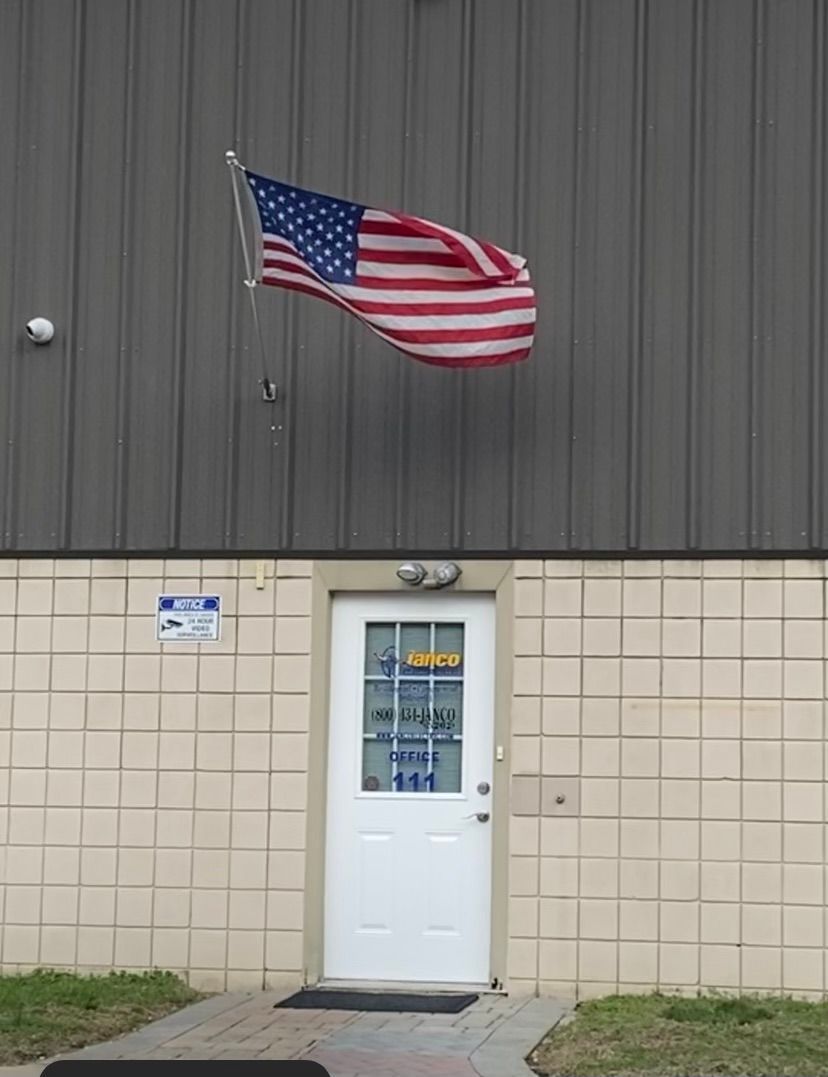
[{"x": 334, "y": 576}]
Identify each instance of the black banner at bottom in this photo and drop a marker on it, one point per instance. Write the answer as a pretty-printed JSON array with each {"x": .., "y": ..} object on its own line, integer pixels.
[{"x": 160, "y": 1067}]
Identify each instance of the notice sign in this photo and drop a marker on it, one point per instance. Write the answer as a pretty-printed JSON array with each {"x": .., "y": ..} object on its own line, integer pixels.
[{"x": 188, "y": 618}]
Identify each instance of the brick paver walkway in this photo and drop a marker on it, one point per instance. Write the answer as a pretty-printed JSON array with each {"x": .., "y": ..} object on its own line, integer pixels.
[{"x": 488, "y": 1039}]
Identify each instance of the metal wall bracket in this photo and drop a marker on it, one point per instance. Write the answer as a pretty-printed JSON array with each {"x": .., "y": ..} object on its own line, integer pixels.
[{"x": 270, "y": 393}]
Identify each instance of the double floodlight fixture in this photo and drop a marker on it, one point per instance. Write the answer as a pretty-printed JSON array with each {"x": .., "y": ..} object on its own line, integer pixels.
[{"x": 444, "y": 574}]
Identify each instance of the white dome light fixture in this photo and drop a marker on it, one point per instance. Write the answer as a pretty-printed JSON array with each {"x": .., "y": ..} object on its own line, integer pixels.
[{"x": 40, "y": 330}]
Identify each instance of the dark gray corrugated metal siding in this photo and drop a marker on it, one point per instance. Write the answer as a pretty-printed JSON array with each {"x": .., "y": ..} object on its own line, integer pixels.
[{"x": 661, "y": 162}]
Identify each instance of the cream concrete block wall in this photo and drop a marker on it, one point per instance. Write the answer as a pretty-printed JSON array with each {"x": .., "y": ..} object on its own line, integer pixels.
[
  {"x": 154, "y": 796},
  {"x": 678, "y": 707}
]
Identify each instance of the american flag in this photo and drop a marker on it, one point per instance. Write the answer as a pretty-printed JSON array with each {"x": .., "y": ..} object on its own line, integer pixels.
[{"x": 432, "y": 292}]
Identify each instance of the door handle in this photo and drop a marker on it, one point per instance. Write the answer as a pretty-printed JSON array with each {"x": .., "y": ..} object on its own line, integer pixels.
[{"x": 480, "y": 816}]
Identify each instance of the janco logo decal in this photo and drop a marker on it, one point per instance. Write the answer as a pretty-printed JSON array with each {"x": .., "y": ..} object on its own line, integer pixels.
[
  {"x": 418, "y": 662},
  {"x": 433, "y": 659}
]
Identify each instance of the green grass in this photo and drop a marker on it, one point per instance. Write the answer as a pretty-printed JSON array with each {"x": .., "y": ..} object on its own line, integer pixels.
[
  {"x": 649, "y": 1035},
  {"x": 43, "y": 1013}
]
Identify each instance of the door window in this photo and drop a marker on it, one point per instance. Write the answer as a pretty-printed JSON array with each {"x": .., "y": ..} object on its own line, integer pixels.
[{"x": 412, "y": 730}]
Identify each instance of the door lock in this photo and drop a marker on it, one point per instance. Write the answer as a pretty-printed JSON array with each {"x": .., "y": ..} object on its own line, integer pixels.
[
  {"x": 484, "y": 788},
  {"x": 480, "y": 816}
]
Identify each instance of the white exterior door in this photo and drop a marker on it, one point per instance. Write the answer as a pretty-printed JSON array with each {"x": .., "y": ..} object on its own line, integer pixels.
[{"x": 409, "y": 832}]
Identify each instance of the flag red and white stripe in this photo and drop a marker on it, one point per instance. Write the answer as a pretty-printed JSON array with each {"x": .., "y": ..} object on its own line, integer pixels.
[{"x": 434, "y": 293}]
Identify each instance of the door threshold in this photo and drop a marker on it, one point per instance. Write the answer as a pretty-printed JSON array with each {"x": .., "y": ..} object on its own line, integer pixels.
[{"x": 408, "y": 986}]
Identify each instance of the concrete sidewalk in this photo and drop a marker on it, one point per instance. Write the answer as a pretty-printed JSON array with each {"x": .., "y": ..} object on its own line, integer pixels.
[{"x": 488, "y": 1039}]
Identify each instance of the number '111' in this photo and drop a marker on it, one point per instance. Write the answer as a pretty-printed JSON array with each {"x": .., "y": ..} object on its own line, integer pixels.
[{"x": 414, "y": 781}]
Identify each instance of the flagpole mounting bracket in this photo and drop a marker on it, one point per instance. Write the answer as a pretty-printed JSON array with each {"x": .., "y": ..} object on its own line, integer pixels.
[{"x": 270, "y": 391}]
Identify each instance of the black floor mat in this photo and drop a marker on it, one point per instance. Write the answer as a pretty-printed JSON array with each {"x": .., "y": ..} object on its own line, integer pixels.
[{"x": 376, "y": 1001}]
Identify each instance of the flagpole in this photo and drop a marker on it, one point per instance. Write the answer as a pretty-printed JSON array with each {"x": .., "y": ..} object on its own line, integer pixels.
[{"x": 269, "y": 391}]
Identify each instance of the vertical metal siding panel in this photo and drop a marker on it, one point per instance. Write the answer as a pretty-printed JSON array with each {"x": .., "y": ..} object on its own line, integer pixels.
[
  {"x": 248, "y": 519},
  {"x": 429, "y": 467},
  {"x": 404, "y": 447},
  {"x": 214, "y": 287},
  {"x": 580, "y": 389},
  {"x": 550, "y": 174},
  {"x": 760, "y": 247},
  {"x": 127, "y": 242},
  {"x": 264, "y": 146},
  {"x": 467, "y": 62},
  {"x": 724, "y": 369},
  {"x": 695, "y": 332},
  {"x": 785, "y": 283},
  {"x": 317, "y": 390},
  {"x": 806, "y": 221},
  {"x": 50, "y": 70},
  {"x": 75, "y": 183},
  {"x": 601, "y": 482},
  {"x": 237, "y": 330},
  {"x": 273, "y": 145},
  {"x": 291, "y": 358},
  {"x": 381, "y": 146},
  {"x": 103, "y": 272},
  {"x": 11, "y": 175},
  {"x": 238, "y": 324},
  {"x": 178, "y": 398},
  {"x": 484, "y": 443},
  {"x": 514, "y": 522},
  {"x": 350, "y": 333},
  {"x": 818, "y": 254},
  {"x": 666, "y": 276},
  {"x": 150, "y": 408},
  {"x": 635, "y": 328},
  {"x": 430, "y": 453},
  {"x": 580, "y": 227}
]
